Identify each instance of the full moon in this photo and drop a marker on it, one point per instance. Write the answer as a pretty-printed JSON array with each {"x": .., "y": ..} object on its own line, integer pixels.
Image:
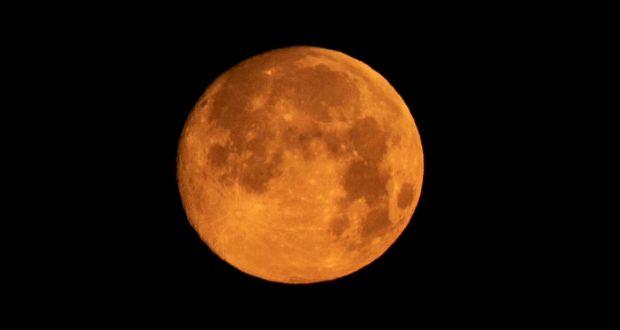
[{"x": 300, "y": 165}]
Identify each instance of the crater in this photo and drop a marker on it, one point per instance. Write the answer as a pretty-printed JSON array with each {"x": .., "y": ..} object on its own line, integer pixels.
[
  {"x": 387, "y": 100},
  {"x": 306, "y": 140},
  {"x": 405, "y": 196},
  {"x": 333, "y": 144},
  {"x": 218, "y": 155},
  {"x": 202, "y": 102},
  {"x": 229, "y": 107},
  {"x": 240, "y": 107},
  {"x": 376, "y": 223},
  {"x": 368, "y": 139},
  {"x": 338, "y": 225},
  {"x": 314, "y": 90},
  {"x": 364, "y": 180},
  {"x": 245, "y": 89},
  {"x": 260, "y": 169},
  {"x": 298, "y": 140}
]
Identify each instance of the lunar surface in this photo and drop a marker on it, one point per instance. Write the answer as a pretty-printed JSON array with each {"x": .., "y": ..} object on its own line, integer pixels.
[{"x": 300, "y": 165}]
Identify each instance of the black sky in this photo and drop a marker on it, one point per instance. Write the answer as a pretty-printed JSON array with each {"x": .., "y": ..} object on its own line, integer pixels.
[{"x": 127, "y": 81}]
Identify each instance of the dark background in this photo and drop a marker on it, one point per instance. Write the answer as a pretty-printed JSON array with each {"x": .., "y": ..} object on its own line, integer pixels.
[
  {"x": 125, "y": 82},
  {"x": 455, "y": 240},
  {"x": 509, "y": 100}
]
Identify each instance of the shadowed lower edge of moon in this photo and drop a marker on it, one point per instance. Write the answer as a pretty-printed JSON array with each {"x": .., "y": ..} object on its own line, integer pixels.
[{"x": 256, "y": 161}]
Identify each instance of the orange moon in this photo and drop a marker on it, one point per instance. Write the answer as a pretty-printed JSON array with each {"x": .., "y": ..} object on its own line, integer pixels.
[{"x": 300, "y": 165}]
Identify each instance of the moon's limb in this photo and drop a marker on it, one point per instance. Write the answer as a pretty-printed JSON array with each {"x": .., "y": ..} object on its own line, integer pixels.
[{"x": 300, "y": 165}]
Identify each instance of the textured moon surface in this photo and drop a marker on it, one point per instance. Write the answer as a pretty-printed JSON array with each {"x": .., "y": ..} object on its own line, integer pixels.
[{"x": 300, "y": 165}]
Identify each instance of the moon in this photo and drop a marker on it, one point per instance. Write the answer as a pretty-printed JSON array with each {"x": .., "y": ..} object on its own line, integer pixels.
[{"x": 300, "y": 165}]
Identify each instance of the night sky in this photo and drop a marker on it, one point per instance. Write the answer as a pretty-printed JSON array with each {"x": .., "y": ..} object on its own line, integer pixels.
[{"x": 128, "y": 81}]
